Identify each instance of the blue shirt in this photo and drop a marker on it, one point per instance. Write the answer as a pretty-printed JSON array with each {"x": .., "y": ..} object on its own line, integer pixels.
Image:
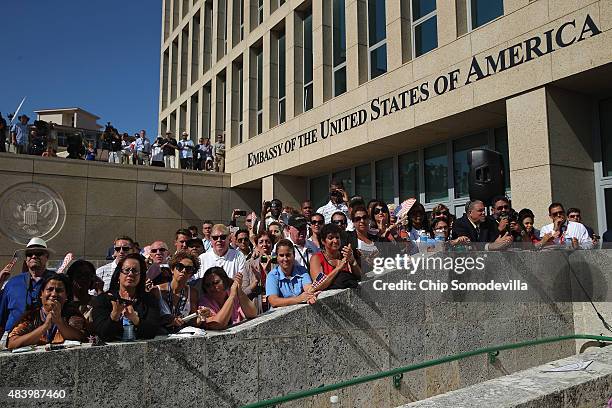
[
  {"x": 21, "y": 133},
  {"x": 20, "y": 291},
  {"x": 282, "y": 286},
  {"x": 142, "y": 145}
]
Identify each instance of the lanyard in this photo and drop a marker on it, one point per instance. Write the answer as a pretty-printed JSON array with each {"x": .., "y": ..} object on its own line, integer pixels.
[{"x": 306, "y": 262}]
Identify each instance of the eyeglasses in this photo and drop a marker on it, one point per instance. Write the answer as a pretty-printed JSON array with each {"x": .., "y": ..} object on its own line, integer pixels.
[
  {"x": 128, "y": 271},
  {"x": 572, "y": 216},
  {"x": 218, "y": 237},
  {"x": 156, "y": 250},
  {"x": 365, "y": 218},
  {"x": 442, "y": 213},
  {"x": 242, "y": 240},
  {"x": 557, "y": 214},
  {"x": 213, "y": 283},
  {"x": 122, "y": 248},
  {"x": 339, "y": 222},
  {"x": 30, "y": 254},
  {"x": 182, "y": 267},
  {"x": 320, "y": 222},
  {"x": 379, "y": 210},
  {"x": 503, "y": 207}
]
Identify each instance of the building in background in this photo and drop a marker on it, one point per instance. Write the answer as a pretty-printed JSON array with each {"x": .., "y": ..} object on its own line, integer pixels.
[
  {"x": 68, "y": 121},
  {"x": 389, "y": 96}
]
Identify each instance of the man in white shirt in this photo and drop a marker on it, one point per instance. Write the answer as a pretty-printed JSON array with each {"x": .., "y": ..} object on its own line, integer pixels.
[
  {"x": 186, "y": 151},
  {"x": 337, "y": 201},
  {"x": 562, "y": 231},
  {"x": 123, "y": 247},
  {"x": 231, "y": 260},
  {"x": 207, "y": 226},
  {"x": 296, "y": 230}
]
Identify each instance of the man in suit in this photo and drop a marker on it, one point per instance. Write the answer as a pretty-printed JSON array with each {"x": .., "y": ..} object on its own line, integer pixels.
[{"x": 474, "y": 227}]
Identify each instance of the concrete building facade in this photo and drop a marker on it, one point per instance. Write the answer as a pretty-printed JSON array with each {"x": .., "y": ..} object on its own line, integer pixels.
[{"x": 390, "y": 95}]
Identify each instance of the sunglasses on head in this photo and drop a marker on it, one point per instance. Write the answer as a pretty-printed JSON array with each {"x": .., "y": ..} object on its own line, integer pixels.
[
  {"x": 124, "y": 248},
  {"x": 181, "y": 267},
  {"x": 218, "y": 237},
  {"x": 156, "y": 250}
]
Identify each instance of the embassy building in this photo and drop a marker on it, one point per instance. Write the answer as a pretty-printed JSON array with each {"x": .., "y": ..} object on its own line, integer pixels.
[{"x": 389, "y": 96}]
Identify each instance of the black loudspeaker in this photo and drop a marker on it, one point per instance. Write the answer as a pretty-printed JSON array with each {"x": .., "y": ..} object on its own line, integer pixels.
[{"x": 486, "y": 178}]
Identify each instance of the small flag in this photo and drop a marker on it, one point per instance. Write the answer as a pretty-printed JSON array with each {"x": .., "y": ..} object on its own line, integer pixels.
[
  {"x": 404, "y": 207},
  {"x": 67, "y": 259}
]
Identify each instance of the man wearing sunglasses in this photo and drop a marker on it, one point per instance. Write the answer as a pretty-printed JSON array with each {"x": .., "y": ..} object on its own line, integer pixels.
[
  {"x": 231, "y": 260},
  {"x": 123, "y": 246},
  {"x": 564, "y": 232},
  {"x": 22, "y": 290},
  {"x": 500, "y": 212}
]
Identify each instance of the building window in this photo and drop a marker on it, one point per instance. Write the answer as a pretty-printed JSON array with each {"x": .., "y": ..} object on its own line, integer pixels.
[
  {"x": 436, "y": 173},
  {"x": 408, "y": 166},
  {"x": 461, "y": 147},
  {"x": 339, "y": 47},
  {"x": 259, "y": 58},
  {"x": 385, "y": 180},
  {"x": 240, "y": 104},
  {"x": 345, "y": 177},
  {"x": 605, "y": 117},
  {"x": 377, "y": 38},
  {"x": 481, "y": 12},
  {"x": 241, "y": 20},
  {"x": 260, "y": 11},
  {"x": 424, "y": 26},
  {"x": 282, "y": 91},
  {"x": 363, "y": 181},
  {"x": 308, "y": 76},
  {"x": 501, "y": 145},
  {"x": 319, "y": 191}
]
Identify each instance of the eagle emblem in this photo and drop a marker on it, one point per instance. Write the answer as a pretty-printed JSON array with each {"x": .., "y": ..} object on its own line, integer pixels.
[{"x": 27, "y": 216}]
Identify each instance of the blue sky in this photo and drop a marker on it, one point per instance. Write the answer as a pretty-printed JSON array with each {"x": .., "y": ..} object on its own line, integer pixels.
[{"x": 102, "y": 56}]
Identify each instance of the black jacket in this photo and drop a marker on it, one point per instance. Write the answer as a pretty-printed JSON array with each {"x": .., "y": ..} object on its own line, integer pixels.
[
  {"x": 109, "y": 330},
  {"x": 462, "y": 227}
]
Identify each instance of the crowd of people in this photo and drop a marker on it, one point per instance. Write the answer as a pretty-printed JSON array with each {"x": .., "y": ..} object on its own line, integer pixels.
[
  {"x": 229, "y": 273},
  {"x": 115, "y": 147}
]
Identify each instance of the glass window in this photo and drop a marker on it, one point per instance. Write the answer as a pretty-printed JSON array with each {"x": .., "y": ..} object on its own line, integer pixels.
[
  {"x": 608, "y": 198},
  {"x": 259, "y": 91},
  {"x": 319, "y": 191},
  {"x": 408, "y": 165},
  {"x": 436, "y": 173},
  {"x": 340, "y": 81},
  {"x": 378, "y": 61},
  {"x": 461, "y": 147},
  {"x": 501, "y": 145},
  {"x": 377, "y": 30},
  {"x": 605, "y": 117},
  {"x": 240, "y": 101},
  {"x": 363, "y": 181},
  {"x": 345, "y": 177},
  {"x": 281, "y": 78},
  {"x": 385, "y": 180},
  {"x": 339, "y": 47},
  {"x": 421, "y": 8},
  {"x": 260, "y": 11},
  {"x": 483, "y": 11},
  {"x": 308, "y": 99},
  {"x": 426, "y": 36}
]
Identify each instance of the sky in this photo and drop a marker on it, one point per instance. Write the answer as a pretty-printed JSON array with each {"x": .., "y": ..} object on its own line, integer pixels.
[{"x": 99, "y": 55}]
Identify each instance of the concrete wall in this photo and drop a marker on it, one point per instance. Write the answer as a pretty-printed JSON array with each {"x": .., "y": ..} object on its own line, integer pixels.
[
  {"x": 534, "y": 388},
  {"x": 346, "y": 334},
  {"x": 104, "y": 200}
]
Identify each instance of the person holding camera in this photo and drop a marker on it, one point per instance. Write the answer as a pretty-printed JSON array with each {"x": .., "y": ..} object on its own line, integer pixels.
[
  {"x": 564, "y": 232},
  {"x": 338, "y": 199},
  {"x": 257, "y": 268},
  {"x": 127, "y": 311},
  {"x": 275, "y": 208}
]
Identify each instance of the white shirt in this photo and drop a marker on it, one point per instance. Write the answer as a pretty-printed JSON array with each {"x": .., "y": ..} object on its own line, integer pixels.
[
  {"x": 571, "y": 230},
  {"x": 232, "y": 262},
  {"x": 157, "y": 153},
  {"x": 186, "y": 149},
  {"x": 330, "y": 208},
  {"x": 105, "y": 272}
]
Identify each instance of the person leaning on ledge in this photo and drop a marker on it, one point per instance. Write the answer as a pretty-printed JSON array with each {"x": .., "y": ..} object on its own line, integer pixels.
[
  {"x": 288, "y": 283},
  {"x": 51, "y": 322},
  {"x": 474, "y": 227},
  {"x": 127, "y": 304}
]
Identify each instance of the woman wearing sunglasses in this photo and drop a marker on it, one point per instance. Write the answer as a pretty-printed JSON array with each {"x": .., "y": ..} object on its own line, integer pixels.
[
  {"x": 316, "y": 223},
  {"x": 177, "y": 300},
  {"x": 127, "y": 312}
]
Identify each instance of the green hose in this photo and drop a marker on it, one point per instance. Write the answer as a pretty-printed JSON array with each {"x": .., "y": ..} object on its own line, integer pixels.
[{"x": 492, "y": 351}]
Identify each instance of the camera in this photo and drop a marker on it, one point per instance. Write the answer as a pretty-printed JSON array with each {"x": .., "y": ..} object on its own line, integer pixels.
[
  {"x": 337, "y": 194},
  {"x": 273, "y": 259},
  {"x": 267, "y": 204},
  {"x": 241, "y": 213}
]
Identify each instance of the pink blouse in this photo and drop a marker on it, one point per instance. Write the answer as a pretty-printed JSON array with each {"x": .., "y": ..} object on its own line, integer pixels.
[{"x": 237, "y": 313}]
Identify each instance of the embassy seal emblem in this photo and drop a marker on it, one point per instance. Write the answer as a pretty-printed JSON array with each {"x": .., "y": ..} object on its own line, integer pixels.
[{"x": 30, "y": 210}]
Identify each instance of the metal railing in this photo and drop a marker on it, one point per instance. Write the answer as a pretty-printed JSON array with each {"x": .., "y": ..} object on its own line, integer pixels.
[{"x": 397, "y": 373}]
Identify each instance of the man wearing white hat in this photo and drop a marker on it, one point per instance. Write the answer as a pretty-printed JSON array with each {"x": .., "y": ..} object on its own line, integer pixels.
[{"x": 23, "y": 289}]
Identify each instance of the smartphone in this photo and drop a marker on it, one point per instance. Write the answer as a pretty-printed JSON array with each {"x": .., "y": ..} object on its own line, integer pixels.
[
  {"x": 125, "y": 302},
  {"x": 241, "y": 213}
]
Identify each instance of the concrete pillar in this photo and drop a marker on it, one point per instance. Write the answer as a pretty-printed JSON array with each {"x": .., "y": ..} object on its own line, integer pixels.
[
  {"x": 322, "y": 51},
  {"x": 447, "y": 21},
  {"x": 550, "y": 150},
  {"x": 356, "y": 43},
  {"x": 395, "y": 24},
  {"x": 290, "y": 190}
]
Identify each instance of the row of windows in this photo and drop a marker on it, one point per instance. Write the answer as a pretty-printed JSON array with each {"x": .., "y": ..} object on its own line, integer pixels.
[
  {"x": 423, "y": 16},
  {"x": 435, "y": 174}
]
